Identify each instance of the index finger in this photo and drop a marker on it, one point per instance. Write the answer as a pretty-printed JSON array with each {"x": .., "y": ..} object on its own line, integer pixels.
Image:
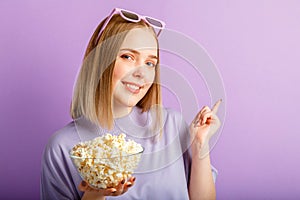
[{"x": 216, "y": 106}]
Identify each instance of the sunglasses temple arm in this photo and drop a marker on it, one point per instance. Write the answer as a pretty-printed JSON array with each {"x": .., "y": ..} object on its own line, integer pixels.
[{"x": 159, "y": 32}]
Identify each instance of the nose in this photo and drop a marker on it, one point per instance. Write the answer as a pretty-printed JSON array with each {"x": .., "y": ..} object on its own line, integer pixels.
[{"x": 139, "y": 72}]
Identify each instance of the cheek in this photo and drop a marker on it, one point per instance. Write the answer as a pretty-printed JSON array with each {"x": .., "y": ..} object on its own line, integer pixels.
[
  {"x": 151, "y": 76},
  {"x": 118, "y": 73}
]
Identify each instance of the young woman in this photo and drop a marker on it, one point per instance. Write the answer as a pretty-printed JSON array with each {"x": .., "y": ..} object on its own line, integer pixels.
[{"x": 118, "y": 91}]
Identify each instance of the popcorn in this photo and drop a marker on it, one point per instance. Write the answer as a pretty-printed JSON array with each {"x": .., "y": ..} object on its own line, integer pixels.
[{"x": 106, "y": 160}]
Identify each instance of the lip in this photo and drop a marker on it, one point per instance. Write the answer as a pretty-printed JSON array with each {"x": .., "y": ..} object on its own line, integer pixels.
[
  {"x": 130, "y": 89},
  {"x": 131, "y": 83}
]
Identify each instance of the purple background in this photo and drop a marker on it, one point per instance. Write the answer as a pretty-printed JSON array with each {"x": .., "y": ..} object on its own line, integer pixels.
[{"x": 255, "y": 45}]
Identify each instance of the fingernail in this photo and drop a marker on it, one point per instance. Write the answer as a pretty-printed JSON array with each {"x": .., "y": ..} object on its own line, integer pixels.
[
  {"x": 123, "y": 181},
  {"x": 83, "y": 183},
  {"x": 129, "y": 184},
  {"x": 113, "y": 190}
]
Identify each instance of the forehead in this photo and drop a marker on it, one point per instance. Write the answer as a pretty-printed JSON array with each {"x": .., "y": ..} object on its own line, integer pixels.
[{"x": 140, "y": 38}]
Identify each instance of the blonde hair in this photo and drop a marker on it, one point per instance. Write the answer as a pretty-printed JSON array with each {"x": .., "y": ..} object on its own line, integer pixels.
[{"x": 92, "y": 96}]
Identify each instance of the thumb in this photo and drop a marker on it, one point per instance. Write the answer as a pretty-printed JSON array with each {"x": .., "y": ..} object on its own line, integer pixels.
[{"x": 83, "y": 186}]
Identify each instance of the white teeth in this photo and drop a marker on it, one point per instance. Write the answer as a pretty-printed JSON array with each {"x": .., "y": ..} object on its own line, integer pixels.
[{"x": 134, "y": 87}]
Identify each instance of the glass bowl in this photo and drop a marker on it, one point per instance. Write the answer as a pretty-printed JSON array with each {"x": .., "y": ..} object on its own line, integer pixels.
[{"x": 107, "y": 172}]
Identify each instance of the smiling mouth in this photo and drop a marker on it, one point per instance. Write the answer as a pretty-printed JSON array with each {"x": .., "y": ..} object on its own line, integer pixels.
[{"x": 133, "y": 88}]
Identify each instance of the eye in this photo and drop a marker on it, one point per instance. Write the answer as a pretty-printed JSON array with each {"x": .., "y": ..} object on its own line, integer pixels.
[
  {"x": 127, "y": 57},
  {"x": 151, "y": 64}
]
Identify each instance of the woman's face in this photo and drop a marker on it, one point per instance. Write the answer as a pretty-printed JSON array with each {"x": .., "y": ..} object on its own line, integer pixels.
[{"x": 134, "y": 70}]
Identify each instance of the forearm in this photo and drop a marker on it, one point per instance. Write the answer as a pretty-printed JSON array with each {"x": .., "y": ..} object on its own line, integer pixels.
[{"x": 201, "y": 180}]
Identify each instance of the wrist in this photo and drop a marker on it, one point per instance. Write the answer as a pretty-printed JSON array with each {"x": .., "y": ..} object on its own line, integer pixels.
[
  {"x": 200, "y": 150},
  {"x": 92, "y": 196}
]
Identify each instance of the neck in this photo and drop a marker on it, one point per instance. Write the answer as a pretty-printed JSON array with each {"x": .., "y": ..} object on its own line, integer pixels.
[{"x": 120, "y": 111}]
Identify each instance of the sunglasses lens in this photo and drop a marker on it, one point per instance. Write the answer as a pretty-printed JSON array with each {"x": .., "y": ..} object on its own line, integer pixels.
[
  {"x": 130, "y": 15},
  {"x": 154, "y": 22}
]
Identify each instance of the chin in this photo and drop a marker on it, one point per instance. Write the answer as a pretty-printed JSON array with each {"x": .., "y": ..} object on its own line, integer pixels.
[{"x": 132, "y": 104}]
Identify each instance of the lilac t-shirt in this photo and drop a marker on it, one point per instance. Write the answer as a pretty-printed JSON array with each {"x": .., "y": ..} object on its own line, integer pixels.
[{"x": 164, "y": 169}]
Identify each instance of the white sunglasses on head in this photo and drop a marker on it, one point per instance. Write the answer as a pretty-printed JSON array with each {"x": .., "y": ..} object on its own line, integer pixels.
[{"x": 134, "y": 17}]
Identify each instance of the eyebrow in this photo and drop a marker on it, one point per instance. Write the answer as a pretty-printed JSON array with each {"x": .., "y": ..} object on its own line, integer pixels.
[{"x": 138, "y": 53}]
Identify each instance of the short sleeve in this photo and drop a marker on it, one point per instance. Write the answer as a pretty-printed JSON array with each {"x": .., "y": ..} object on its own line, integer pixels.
[
  {"x": 214, "y": 173},
  {"x": 56, "y": 182}
]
